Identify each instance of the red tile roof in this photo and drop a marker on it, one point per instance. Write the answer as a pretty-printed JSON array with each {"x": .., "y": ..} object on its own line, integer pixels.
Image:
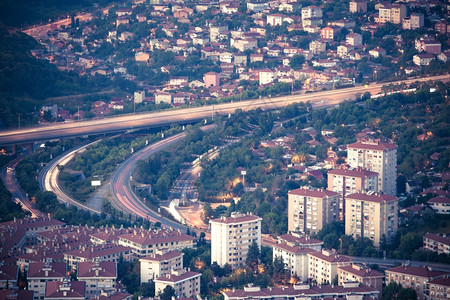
[
  {"x": 443, "y": 200},
  {"x": 440, "y": 281},
  {"x": 333, "y": 258},
  {"x": 360, "y": 271},
  {"x": 145, "y": 237},
  {"x": 90, "y": 269},
  {"x": 116, "y": 296},
  {"x": 353, "y": 173},
  {"x": 73, "y": 290},
  {"x": 177, "y": 278},
  {"x": 375, "y": 197},
  {"x": 372, "y": 146},
  {"x": 53, "y": 270},
  {"x": 303, "y": 240},
  {"x": 238, "y": 218},
  {"x": 163, "y": 257},
  {"x": 421, "y": 271},
  {"x": 293, "y": 249},
  {"x": 16, "y": 295},
  {"x": 438, "y": 238},
  {"x": 313, "y": 193},
  {"x": 9, "y": 273}
]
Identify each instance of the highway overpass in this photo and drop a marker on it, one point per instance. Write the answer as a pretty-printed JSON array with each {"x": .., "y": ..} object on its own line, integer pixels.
[{"x": 172, "y": 116}]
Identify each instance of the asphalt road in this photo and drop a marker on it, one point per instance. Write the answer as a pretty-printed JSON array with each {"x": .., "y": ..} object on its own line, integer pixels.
[
  {"x": 18, "y": 195},
  {"x": 393, "y": 262},
  {"x": 154, "y": 119},
  {"x": 48, "y": 177},
  {"x": 120, "y": 183}
]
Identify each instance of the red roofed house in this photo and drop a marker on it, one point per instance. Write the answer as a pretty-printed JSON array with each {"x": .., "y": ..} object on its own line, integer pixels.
[
  {"x": 364, "y": 275},
  {"x": 8, "y": 276},
  {"x": 144, "y": 242},
  {"x": 371, "y": 215},
  {"x": 323, "y": 265},
  {"x": 377, "y": 157},
  {"x": 100, "y": 277},
  {"x": 226, "y": 231},
  {"x": 437, "y": 243},
  {"x": 160, "y": 264},
  {"x": 440, "y": 204},
  {"x": 185, "y": 283},
  {"x": 413, "y": 277},
  {"x": 75, "y": 290},
  {"x": 310, "y": 210},
  {"x": 439, "y": 289},
  {"x": 40, "y": 273}
]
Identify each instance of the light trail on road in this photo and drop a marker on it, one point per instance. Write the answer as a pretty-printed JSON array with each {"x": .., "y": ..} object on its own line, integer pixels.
[{"x": 186, "y": 115}]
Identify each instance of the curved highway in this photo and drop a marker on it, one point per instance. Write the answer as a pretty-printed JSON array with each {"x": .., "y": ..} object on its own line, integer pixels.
[
  {"x": 125, "y": 122},
  {"x": 120, "y": 183},
  {"x": 48, "y": 177}
]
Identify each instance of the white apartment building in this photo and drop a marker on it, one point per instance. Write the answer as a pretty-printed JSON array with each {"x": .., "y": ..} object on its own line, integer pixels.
[
  {"x": 323, "y": 265},
  {"x": 232, "y": 236},
  {"x": 144, "y": 242},
  {"x": 100, "y": 277},
  {"x": 371, "y": 215},
  {"x": 309, "y": 210},
  {"x": 185, "y": 283},
  {"x": 156, "y": 265},
  {"x": 294, "y": 257},
  {"x": 311, "y": 12},
  {"x": 350, "y": 181},
  {"x": 377, "y": 157},
  {"x": 215, "y": 32},
  {"x": 267, "y": 76},
  {"x": 139, "y": 96},
  {"x": 40, "y": 273}
]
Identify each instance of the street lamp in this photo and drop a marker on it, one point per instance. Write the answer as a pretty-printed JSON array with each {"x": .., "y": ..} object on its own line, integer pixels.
[{"x": 18, "y": 116}]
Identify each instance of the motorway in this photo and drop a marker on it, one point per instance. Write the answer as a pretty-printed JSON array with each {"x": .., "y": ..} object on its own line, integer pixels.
[
  {"x": 392, "y": 262},
  {"x": 154, "y": 119},
  {"x": 48, "y": 177},
  {"x": 120, "y": 183},
  {"x": 19, "y": 196}
]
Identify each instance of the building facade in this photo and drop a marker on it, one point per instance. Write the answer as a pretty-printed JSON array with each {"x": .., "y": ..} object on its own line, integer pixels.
[
  {"x": 185, "y": 283},
  {"x": 371, "y": 215},
  {"x": 232, "y": 236},
  {"x": 160, "y": 264},
  {"x": 100, "y": 277},
  {"x": 377, "y": 157},
  {"x": 310, "y": 210}
]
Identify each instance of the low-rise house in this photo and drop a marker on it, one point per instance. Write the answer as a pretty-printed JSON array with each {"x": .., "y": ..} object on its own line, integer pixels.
[
  {"x": 60, "y": 290},
  {"x": 364, "y": 275},
  {"x": 100, "y": 277},
  {"x": 440, "y": 204},
  {"x": 40, "y": 273},
  {"x": 160, "y": 264},
  {"x": 437, "y": 243},
  {"x": 185, "y": 283}
]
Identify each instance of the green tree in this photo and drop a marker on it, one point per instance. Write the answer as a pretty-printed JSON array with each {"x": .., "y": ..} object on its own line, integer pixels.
[
  {"x": 167, "y": 293},
  {"x": 253, "y": 256},
  {"x": 395, "y": 291},
  {"x": 297, "y": 62}
]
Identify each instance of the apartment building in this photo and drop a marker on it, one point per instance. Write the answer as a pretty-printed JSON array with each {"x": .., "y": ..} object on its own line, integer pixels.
[
  {"x": 439, "y": 289},
  {"x": 378, "y": 157},
  {"x": 97, "y": 253},
  {"x": 40, "y": 273},
  {"x": 185, "y": 283},
  {"x": 309, "y": 210},
  {"x": 440, "y": 204},
  {"x": 160, "y": 264},
  {"x": 100, "y": 277},
  {"x": 323, "y": 265},
  {"x": 311, "y": 12},
  {"x": 232, "y": 236},
  {"x": 362, "y": 274},
  {"x": 73, "y": 290},
  {"x": 371, "y": 215},
  {"x": 295, "y": 259},
  {"x": 350, "y": 181},
  {"x": 413, "y": 277},
  {"x": 358, "y": 6},
  {"x": 394, "y": 13},
  {"x": 352, "y": 290},
  {"x": 415, "y": 21},
  {"x": 144, "y": 242},
  {"x": 317, "y": 47},
  {"x": 437, "y": 243}
]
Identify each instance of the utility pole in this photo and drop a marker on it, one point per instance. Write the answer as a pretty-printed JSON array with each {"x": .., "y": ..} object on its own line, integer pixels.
[{"x": 18, "y": 116}]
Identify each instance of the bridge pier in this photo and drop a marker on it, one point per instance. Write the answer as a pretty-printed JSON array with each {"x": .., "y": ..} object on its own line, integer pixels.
[{"x": 30, "y": 148}]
